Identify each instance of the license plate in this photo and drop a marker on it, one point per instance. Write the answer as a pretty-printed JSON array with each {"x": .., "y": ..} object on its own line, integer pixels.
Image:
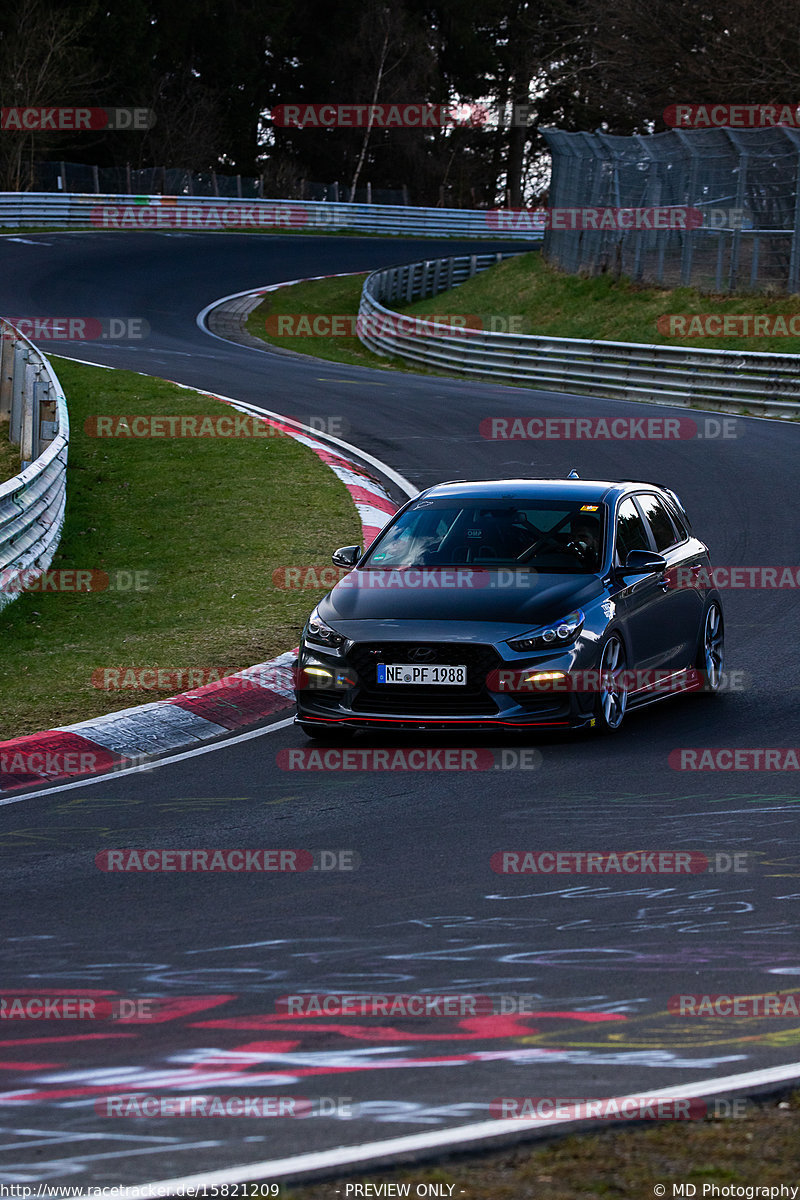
[{"x": 422, "y": 676}]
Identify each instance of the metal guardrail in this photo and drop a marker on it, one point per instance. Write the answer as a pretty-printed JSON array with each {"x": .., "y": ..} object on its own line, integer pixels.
[
  {"x": 32, "y": 503},
  {"x": 23, "y": 209},
  {"x": 726, "y": 380}
]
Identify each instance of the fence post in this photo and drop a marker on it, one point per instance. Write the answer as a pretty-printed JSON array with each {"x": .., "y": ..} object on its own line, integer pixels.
[
  {"x": 736, "y": 236},
  {"x": 794, "y": 257},
  {"x": 96, "y": 178}
]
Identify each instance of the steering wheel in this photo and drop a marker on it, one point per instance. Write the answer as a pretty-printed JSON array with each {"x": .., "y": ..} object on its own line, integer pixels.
[
  {"x": 543, "y": 541},
  {"x": 581, "y": 550}
]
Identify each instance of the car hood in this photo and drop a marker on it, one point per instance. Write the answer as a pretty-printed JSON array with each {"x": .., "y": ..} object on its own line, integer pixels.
[{"x": 460, "y": 594}]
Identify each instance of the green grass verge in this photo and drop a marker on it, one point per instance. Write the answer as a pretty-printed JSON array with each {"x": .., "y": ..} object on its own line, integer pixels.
[
  {"x": 10, "y": 464},
  {"x": 762, "y": 1148},
  {"x": 336, "y": 296},
  {"x": 539, "y": 300},
  {"x": 208, "y": 520}
]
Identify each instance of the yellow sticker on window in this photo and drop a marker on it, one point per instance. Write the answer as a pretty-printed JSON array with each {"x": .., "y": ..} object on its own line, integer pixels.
[{"x": 589, "y": 507}]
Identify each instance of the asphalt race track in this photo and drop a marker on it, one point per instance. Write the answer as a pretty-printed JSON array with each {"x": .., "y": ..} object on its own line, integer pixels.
[{"x": 596, "y": 959}]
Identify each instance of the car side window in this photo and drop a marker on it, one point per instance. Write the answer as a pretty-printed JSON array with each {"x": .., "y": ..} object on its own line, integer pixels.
[
  {"x": 683, "y": 532},
  {"x": 659, "y": 521},
  {"x": 631, "y": 531}
]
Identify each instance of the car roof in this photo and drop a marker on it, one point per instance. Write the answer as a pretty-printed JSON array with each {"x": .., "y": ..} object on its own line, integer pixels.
[{"x": 594, "y": 490}]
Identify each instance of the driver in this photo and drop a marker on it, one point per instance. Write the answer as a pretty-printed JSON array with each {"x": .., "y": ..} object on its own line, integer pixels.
[{"x": 585, "y": 539}]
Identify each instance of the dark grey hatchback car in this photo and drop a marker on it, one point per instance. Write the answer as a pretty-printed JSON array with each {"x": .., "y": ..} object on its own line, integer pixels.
[{"x": 513, "y": 604}]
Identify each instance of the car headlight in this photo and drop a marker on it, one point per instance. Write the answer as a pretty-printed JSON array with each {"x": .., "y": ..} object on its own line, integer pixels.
[
  {"x": 319, "y": 633},
  {"x": 559, "y": 633}
]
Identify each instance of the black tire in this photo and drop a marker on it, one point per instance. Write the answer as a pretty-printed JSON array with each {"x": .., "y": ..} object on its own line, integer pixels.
[
  {"x": 612, "y": 699},
  {"x": 711, "y": 650}
]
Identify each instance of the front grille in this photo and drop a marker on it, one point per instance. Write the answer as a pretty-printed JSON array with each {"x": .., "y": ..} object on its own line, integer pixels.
[
  {"x": 541, "y": 705},
  {"x": 435, "y": 699},
  {"x": 419, "y": 704}
]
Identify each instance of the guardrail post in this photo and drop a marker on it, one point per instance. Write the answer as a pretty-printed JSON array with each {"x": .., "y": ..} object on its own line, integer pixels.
[
  {"x": 6, "y": 369},
  {"x": 17, "y": 391},
  {"x": 46, "y": 424},
  {"x": 27, "y": 440}
]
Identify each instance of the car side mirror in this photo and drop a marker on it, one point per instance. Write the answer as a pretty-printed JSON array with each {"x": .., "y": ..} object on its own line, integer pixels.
[
  {"x": 640, "y": 562},
  {"x": 346, "y": 556}
]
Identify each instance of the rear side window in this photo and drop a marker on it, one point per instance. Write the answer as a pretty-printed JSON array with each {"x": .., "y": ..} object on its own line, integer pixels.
[
  {"x": 658, "y": 518},
  {"x": 631, "y": 532},
  {"x": 683, "y": 532}
]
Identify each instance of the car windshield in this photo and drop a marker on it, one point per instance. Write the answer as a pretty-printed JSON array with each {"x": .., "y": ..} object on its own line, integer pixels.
[{"x": 554, "y": 536}]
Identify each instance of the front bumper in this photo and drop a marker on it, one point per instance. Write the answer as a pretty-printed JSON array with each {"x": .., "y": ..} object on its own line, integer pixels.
[{"x": 364, "y": 705}]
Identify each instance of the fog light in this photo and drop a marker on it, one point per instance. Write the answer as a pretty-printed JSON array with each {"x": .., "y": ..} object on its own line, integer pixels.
[{"x": 547, "y": 681}]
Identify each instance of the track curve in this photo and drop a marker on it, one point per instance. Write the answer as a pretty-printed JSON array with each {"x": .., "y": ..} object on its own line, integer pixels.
[{"x": 597, "y": 959}]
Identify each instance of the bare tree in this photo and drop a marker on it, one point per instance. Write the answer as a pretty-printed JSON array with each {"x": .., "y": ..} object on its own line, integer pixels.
[{"x": 42, "y": 63}]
